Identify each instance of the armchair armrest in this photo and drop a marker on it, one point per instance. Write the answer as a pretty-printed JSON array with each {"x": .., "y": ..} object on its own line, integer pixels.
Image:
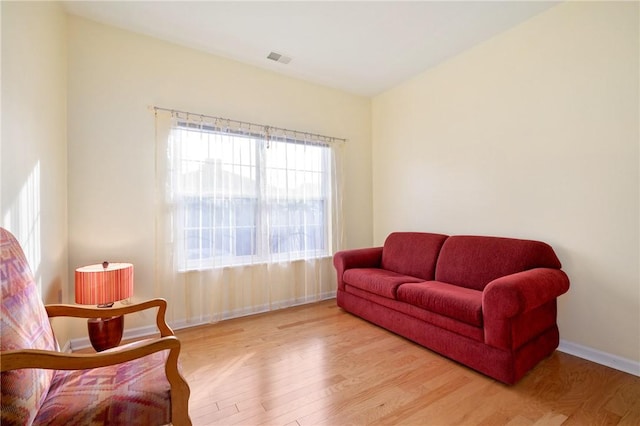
[
  {"x": 370, "y": 257},
  {"x": 52, "y": 360},
  {"x": 517, "y": 293},
  {"x": 62, "y": 361},
  {"x": 78, "y": 311}
]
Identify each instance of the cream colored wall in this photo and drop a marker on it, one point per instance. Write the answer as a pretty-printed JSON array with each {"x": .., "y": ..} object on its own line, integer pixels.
[
  {"x": 532, "y": 134},
  {"x": 34, "y": 146},
  {"x": 115, "y": 75}
]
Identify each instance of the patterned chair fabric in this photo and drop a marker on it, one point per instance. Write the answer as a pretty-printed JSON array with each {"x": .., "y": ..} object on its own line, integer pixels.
[
  {"x": 25, "y": 324},
  {"x": 132, "y": 393}
]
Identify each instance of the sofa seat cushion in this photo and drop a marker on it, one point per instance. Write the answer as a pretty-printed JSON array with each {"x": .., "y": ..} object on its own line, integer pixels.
[
  {"x": 414, "y": 311},
  {"x": 460, "y": 303},
  {"x": 131, "y": 393},
  {"x": 377, "y": 281}
]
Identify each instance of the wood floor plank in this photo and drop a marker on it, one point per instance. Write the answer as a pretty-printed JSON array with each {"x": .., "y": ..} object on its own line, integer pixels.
[
  {"x": 632, "y": 416},
  {"x": 316, "y": 364},
  {"x": 551, "y": 419},
  {"x": 445, "y": 410}
]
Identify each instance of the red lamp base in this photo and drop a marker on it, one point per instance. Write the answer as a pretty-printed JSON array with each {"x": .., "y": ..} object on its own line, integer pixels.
[{"x": 105, "y": 333}]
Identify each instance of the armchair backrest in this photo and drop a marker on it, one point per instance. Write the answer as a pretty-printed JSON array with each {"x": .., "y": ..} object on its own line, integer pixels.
[{"x": 24, "y": 325}]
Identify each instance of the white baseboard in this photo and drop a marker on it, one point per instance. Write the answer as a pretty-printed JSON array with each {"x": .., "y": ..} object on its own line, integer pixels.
[
  {"x": 142, "y": 332},
  {"x": 130, "y": 333},
  {"x": 584, "y": 352},
  {"x": 599, "y": 357}
]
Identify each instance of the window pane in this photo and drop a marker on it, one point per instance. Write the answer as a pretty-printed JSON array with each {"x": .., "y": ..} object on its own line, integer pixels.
[{"x": 223, "y": 183}]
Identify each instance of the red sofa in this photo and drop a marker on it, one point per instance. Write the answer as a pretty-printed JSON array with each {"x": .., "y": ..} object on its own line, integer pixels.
[{"x": 486, "y": 302}]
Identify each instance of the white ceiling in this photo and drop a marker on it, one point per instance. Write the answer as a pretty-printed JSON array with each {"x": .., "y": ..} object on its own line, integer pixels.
[{"x": 362, "y": 47}]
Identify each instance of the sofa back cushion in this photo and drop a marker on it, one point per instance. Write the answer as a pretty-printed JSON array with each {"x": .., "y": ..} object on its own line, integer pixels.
[
  {"x": 24, "y": 325},
  {"x": 412, "y": 253},
  {"x": 475, "y": 261}
]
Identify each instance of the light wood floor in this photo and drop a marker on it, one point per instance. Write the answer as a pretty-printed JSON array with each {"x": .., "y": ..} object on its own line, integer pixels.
[{"x": 318, "y": 365}]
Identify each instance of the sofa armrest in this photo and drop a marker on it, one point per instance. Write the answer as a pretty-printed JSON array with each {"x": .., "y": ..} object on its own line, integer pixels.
[
  {"x": 512, "y": 295},
  {"x": 370, "y": 257}
]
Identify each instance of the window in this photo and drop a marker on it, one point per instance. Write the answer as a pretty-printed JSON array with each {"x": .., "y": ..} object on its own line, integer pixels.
[{"x": 242, "y": 197}]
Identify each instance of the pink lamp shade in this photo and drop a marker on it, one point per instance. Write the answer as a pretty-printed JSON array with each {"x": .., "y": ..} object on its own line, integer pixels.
[{"x": 103, "y": 284}]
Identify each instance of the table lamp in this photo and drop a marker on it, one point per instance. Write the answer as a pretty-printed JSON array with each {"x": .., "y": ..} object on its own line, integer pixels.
[{"x": 102, "y": 285}]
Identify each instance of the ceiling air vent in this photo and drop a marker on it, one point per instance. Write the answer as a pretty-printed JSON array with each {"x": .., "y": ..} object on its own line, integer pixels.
[{"x": 279, "y": 58}]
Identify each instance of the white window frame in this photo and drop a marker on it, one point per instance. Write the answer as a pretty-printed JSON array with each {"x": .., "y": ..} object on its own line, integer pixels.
[{"x": 263, "y": 252}]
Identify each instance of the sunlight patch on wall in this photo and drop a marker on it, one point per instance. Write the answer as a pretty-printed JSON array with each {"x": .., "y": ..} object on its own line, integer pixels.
[{"x": 23, "y": 220}]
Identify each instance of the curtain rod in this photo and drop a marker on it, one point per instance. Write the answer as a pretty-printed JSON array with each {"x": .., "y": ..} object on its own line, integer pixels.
[{"x": 175, "y": 111}]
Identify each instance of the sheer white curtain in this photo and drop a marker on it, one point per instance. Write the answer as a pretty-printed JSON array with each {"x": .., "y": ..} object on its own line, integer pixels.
[{"x": 248, "y": 216}]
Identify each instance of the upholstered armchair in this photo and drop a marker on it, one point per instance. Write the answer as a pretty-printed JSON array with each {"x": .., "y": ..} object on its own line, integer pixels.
[{"x": 133, "y": 384}]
